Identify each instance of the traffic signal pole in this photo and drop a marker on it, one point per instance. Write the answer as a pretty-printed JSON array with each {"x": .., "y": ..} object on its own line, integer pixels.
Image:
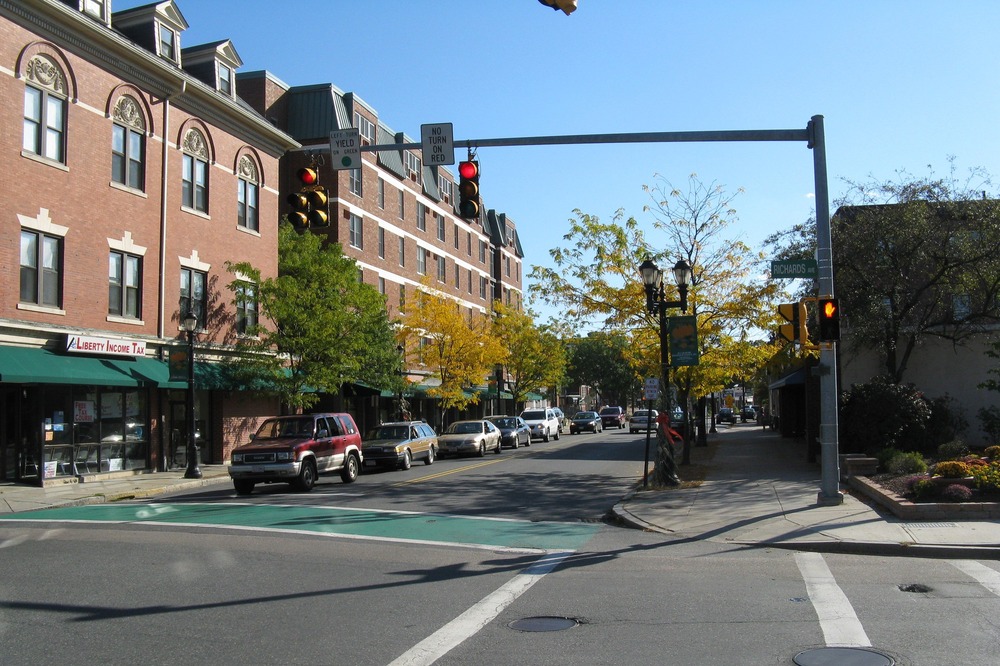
[
  {"x": 814, "y": 136},
  {"x": 829, "y": 493}
]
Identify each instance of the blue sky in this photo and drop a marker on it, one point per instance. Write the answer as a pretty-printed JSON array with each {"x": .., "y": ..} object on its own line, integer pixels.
[{"x": 901, "y": 84}]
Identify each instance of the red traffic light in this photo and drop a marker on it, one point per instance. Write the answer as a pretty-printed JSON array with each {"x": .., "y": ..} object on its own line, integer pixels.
[
  {"x": 308, "y": 176},
  {"x": 468, "y": 170}
]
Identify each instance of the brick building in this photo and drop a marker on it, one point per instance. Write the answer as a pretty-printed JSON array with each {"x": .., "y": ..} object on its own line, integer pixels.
[
  {"x": 133, "y": 172},
  {"x": 394, "y": 216}
]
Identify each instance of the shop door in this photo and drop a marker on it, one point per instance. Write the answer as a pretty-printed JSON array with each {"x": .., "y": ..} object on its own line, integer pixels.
[
  {"x": 177, "y": 443},
  {"x": 9, "y": 420}
]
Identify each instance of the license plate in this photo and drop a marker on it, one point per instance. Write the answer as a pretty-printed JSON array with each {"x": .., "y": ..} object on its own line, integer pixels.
[
  {"x": 370, "y": 463},
  {"x": 258, "y": 469}
]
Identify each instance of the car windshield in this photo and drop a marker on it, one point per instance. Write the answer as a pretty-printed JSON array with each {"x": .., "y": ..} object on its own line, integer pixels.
[
  {"x": 275, "y": 428},
  {"x": 505, "y": 423},
  {"x": 533, "y": 416},
  {"x": 642, "y": 413},
  {"x": 609, "y": 411},
  {"x": 582, "y": 416},
  {"x": 389, "y": 432},
  {"x": 465, "y": 428}
]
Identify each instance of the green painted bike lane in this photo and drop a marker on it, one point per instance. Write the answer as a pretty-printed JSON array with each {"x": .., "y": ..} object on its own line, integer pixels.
[{"x": 333, "y": 521}]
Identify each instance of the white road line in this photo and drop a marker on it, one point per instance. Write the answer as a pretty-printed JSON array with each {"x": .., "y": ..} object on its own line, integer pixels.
[
  {"x": 986, "y": 577},
  {"x": 478, "y": 616},
  {"x": 837, "y": 619}
]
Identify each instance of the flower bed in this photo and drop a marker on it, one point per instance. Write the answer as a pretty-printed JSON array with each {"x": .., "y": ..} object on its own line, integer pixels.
[{"x": 890, "y": 491}]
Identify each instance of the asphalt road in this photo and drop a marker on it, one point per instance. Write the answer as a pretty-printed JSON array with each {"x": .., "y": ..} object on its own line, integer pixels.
[{"x": 461, "y": 562}]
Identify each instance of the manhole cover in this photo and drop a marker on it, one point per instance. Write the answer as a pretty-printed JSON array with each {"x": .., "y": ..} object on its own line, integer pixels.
[
  {"x": 545, "y": 623},
  {"x": 842, "y": 656}
]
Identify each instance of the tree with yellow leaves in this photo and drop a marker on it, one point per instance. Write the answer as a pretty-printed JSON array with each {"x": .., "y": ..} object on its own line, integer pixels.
[{"x": 455, "y": 345}]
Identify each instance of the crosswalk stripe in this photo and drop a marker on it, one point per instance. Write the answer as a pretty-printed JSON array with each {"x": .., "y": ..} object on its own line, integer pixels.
[
  {"x": 837, "y": 619},
  {"x": 986, "y": 577}
]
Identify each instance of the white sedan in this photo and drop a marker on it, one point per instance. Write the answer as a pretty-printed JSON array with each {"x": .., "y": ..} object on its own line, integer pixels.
[{"x": 475, "y": 437}]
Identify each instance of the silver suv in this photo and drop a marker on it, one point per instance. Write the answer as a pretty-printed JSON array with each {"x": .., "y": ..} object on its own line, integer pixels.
[{"x": 543, "y": 423}]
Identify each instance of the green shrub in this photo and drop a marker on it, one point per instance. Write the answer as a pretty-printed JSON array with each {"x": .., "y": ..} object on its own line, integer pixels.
[
  {"x": 880, "y": 414},
  {"x": 956, "y": 492},
  {"x": 952, "y": 469},
  {"x": 952, "y": 450},
  {"x": 924, "y": 489},
  {"x": 992, "y": 452},
  {"x": 946, "y": 422},
  {"x": 908, "y": 463},
  {"x": 884, "y": 456},
  {"x": 989, "y": 418}
]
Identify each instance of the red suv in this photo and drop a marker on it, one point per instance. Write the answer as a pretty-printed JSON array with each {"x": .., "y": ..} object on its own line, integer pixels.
[
  {"x": 296, "y": 449},
  {"x": 613, "y": 417}
]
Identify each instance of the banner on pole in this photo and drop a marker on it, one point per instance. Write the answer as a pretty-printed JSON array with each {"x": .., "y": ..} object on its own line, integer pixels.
[{"x": 683, "y": 341}]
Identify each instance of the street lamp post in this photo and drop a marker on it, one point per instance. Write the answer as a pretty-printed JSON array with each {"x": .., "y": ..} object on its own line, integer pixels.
[
  {"x": 189, "y": 324},
  {"x": 656, "y": 303}
]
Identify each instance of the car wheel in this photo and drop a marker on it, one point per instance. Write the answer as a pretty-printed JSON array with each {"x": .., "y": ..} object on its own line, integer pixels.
[
  {"x": 351, "y": 469},
  {"x": 307, "y": 476},
  {"x": 527, "y": 442},
  {"x": 516, "y": 444},
  {"x": 499, "y": 448},
  {"x": 545, "y": 437},
  {"x": 429, "y": 460},
  {"x": 482, "y": 449},
  {"x": 407, "y": 461},
  {"x": 243, "y": 487},
  {"x": 557, "y": 434}
]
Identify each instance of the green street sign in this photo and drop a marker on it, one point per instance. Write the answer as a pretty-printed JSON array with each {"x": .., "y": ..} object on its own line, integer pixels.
[{"x": 794, "y": 268}]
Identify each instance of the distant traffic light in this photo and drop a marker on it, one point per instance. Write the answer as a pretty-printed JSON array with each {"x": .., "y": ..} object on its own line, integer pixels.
[
  {"x": 795, "y": 330},
  {"x": 829, "y": 319},
  {"x": 311, "y": 204},
  {"x": 468, "y": 190},
  {"x": 567, "y": 6}
]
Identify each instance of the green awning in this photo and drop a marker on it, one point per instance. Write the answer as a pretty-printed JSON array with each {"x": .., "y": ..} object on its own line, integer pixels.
[{"x": 23, "y": 365}]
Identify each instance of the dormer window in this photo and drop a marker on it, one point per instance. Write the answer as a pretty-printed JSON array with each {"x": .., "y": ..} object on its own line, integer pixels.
[
  {"x": 225, "y": 80},
  {"x": 167, "y": 43},
  {"x": 95, "y": 8}
]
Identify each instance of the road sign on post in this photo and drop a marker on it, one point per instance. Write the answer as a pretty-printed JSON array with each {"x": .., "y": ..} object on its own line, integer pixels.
[
  {"x": 345, "y": 149},
  {"x": 794, "y": 268},
  {"x": 652, "y": 388},
  {"x": 437, "y": 144}
]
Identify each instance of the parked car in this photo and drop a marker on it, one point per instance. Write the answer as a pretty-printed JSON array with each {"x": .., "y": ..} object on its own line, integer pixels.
[
  {"x": 563, "y": 421},
  {"x": 590, "y": 421},
  {"x": 476, "y": 437},
  {"x": 748, "y": 413},
  {"x": 398, "y": 444},
  {"x": 296, "y": 449},
  {"x": 642, "y": 419},
  {"x": 513, "y": 430},
  {"x": 613, "y": 417},
  {"x": 677, "y": 418},
  {"x": 543, "y": 423},
  {"x": 726, "y": 415}
]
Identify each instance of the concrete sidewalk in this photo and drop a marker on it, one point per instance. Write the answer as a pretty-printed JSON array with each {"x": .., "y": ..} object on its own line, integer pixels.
[{"x": 759, "y": 490}]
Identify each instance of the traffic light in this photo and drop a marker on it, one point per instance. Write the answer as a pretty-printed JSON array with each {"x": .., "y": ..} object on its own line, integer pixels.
[
  {"x": 829, "y": 319},
  {"x": 468, "y": 190},
  {"x": 311, "y": 204},
  {"x": 795, "y": 330},
  {"x": 567, "y": 6}
]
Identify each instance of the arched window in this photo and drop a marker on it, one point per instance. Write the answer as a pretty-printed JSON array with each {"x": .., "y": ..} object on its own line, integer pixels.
[
  {"x": 128, "y": 144},
  {"x": 194, "y": 187},
  {"x": 45, "y": 110},
  {"x": 247, "y": 194}
]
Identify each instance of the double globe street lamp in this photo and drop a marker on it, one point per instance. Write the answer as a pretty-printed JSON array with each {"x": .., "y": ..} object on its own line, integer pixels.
[
  {"x": 189, "y": 324},
  {"x": 657, "y": 304}
]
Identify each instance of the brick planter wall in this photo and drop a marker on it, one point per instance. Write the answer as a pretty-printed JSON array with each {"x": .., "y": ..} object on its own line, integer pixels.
[{"x": 907, "y": 510}]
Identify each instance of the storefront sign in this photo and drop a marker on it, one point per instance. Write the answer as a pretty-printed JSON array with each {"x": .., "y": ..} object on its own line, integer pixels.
[{"x": 89, "y": 344}]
